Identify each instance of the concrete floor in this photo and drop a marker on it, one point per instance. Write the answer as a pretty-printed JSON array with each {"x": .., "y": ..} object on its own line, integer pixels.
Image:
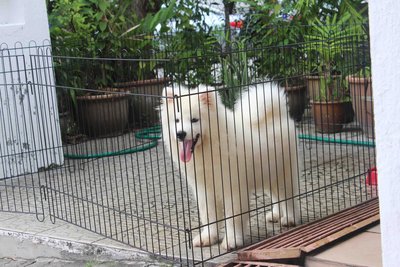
[
  {"x": 26, "y": 241},
  {"x": 364, "y": 250}
]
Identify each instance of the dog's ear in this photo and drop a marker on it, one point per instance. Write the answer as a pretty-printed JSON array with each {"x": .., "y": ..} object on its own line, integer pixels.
[{"x": 206, "y": 98}]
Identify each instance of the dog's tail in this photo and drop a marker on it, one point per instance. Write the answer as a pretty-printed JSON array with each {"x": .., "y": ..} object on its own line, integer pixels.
[{"x": 261, "y": 102}]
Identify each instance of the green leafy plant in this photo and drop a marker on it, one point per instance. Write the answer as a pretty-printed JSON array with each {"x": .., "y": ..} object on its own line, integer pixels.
[
  {"x": 85, "y": 29},
  {"x": 280, "y": 27},
  {"x": 89, "y": 27},
  {"x": 326, "y": 49},
  {"x": 364, "y": 72},
  {"x": 259, "y": 22},
  {"x": 236, "y": 72},
  {"x": 272, "y": 27},
  {"x": 308, "y": 11}
]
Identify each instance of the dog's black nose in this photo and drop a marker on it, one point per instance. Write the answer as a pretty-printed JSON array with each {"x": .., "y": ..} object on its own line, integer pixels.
[{"x": 181, "y": 135}]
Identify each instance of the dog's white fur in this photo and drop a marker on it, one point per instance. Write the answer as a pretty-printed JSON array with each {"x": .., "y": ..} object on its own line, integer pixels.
[{"x": 238, "y": 152}]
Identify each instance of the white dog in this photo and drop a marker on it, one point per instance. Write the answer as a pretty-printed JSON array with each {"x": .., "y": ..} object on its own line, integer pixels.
[{"x": 225, "y": 155}]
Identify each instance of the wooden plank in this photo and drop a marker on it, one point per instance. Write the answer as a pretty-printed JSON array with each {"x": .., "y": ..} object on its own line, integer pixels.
[
  {"x": 340, "y": 234},
  {"x": 270, "y": 254},
  {"x": 323, "y": 228},
  {"x": 326, "y": 231},
  {"x": 256, "y": 264},
  {"x": 306, "y": 238},
  {"x": 303, "y": 230}
]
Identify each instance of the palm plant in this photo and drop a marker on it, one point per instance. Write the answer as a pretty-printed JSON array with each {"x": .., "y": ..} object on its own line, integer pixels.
[
  {"x": 236, "y": 72},
  {"x": 327, "y": 47}
]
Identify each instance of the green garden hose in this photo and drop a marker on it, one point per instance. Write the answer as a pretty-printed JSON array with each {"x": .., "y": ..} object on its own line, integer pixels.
[
  {"x": 337, "y": 140},
  {"x": 152, "y": 133}
]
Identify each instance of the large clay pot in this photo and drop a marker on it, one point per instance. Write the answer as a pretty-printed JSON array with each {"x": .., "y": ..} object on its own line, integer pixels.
[
  {"x": 143, "y": 102},
  {"x": 361, "y": 94},
  {"x": 313, "y": 86},
  {"x": 102, "y": 115},
  {"x": 329, "y": 116}
]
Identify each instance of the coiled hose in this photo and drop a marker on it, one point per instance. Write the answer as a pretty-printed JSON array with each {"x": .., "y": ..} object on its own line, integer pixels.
[{"x": 152, "y": 133}]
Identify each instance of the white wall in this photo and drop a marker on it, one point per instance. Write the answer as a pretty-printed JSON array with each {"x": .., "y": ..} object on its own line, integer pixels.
[
  {"x": 29, "y": 124},
  {"x": 385, "y": 52},
  {"x": 23, "y": 21}
]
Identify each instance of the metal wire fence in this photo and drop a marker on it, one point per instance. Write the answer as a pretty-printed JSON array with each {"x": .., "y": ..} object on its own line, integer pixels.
[{"x": 186, "y": 155}]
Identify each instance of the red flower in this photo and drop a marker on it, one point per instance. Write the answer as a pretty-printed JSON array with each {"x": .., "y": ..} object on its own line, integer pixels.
[{"x": 236, "y": 24}]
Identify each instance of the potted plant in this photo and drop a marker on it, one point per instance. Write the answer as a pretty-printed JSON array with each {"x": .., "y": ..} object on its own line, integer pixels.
[
  {"x": 90, "y": 32},
  {"x": 326, "y": 49},
  {"x": 296, "y": 92},
  {"x": 293, "y": 81},
  {"x": 96, "y": 108},
  {"x": 360, "y": 85},
  {"x": 284, "y": 63},
  {"x": 278, "y": 34},
  {"x": 142, "y": 79},
  {"x": 81, "y": 30}
]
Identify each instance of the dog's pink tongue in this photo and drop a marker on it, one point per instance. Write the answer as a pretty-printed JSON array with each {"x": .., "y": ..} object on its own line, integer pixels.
[{"x": 185, "y": 152}]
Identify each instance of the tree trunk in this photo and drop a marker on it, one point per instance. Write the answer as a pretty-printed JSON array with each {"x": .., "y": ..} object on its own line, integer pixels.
[
  {"x": 228, "y": 9},
  {"x": 142, "y": 7}
]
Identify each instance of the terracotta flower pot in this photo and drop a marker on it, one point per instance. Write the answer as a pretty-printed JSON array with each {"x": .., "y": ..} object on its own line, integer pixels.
[
  {"x": 144, "y": 101},
  {"x": 102, "y": 115},
  {"x": 361, "y": 94},
  {"x": 330, "y": 116},
  {"x": 313, "y": 86}
]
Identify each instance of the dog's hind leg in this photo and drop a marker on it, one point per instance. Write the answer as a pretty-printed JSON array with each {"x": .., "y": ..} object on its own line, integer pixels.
[
  {"x": 271, "y": 189},
  {"x": 274, "y": 215},
  {"x": 210, "y": 211},
  {"x": 290, "y": 210},
  {"x": 285, "y": 208}
]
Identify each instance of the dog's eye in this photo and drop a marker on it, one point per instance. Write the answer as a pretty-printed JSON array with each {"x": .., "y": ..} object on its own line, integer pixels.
[
  {"x": 177, "y": 120},
  {"x": 194, "y": 120}
]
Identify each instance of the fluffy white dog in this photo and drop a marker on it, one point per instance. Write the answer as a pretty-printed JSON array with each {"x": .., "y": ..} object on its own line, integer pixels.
[{"x": 226, "y": 155}]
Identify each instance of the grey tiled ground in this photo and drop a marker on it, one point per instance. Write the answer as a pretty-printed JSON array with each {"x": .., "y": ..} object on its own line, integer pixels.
[{"x": 140, "y": 200}]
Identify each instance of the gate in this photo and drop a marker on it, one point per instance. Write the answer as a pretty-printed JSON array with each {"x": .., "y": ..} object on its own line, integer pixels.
[
  {"x": 116, "y": 181},
  {"x": 29, "y": 139}
]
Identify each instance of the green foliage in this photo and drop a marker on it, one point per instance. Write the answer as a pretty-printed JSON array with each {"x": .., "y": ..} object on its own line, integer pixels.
[
  {"x": 85, "y": 28},
  {"x": 260, "y": 21},
  {"x": 235, "y": 66},
  {"x": 237, "y": 73},
  {"x": 193, "y": 47},
  {"x": 98, "y": 29},
  {"x": 364, "y": 72},
  {"x": 306, "y": 36},
  {"x": 328, "y": 46},
  {"x": 151, "y": 21},
  {"x": 189, "y": 16},
  {"x": 278, "y": 38},
  {"x": 94, "y": 26},
  {"x": 309, "y": 10},
  {"x": 193, "y": 56},
  {"x": 101, "y": 28}
]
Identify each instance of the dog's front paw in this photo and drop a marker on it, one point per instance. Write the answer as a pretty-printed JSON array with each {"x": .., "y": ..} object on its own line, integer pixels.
[
  {"x": 289, "y": 221},
  {"x": 230, "y": 243},
  {"x": 205, "y": 239},
  {"x": 272, "y": 216}
]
